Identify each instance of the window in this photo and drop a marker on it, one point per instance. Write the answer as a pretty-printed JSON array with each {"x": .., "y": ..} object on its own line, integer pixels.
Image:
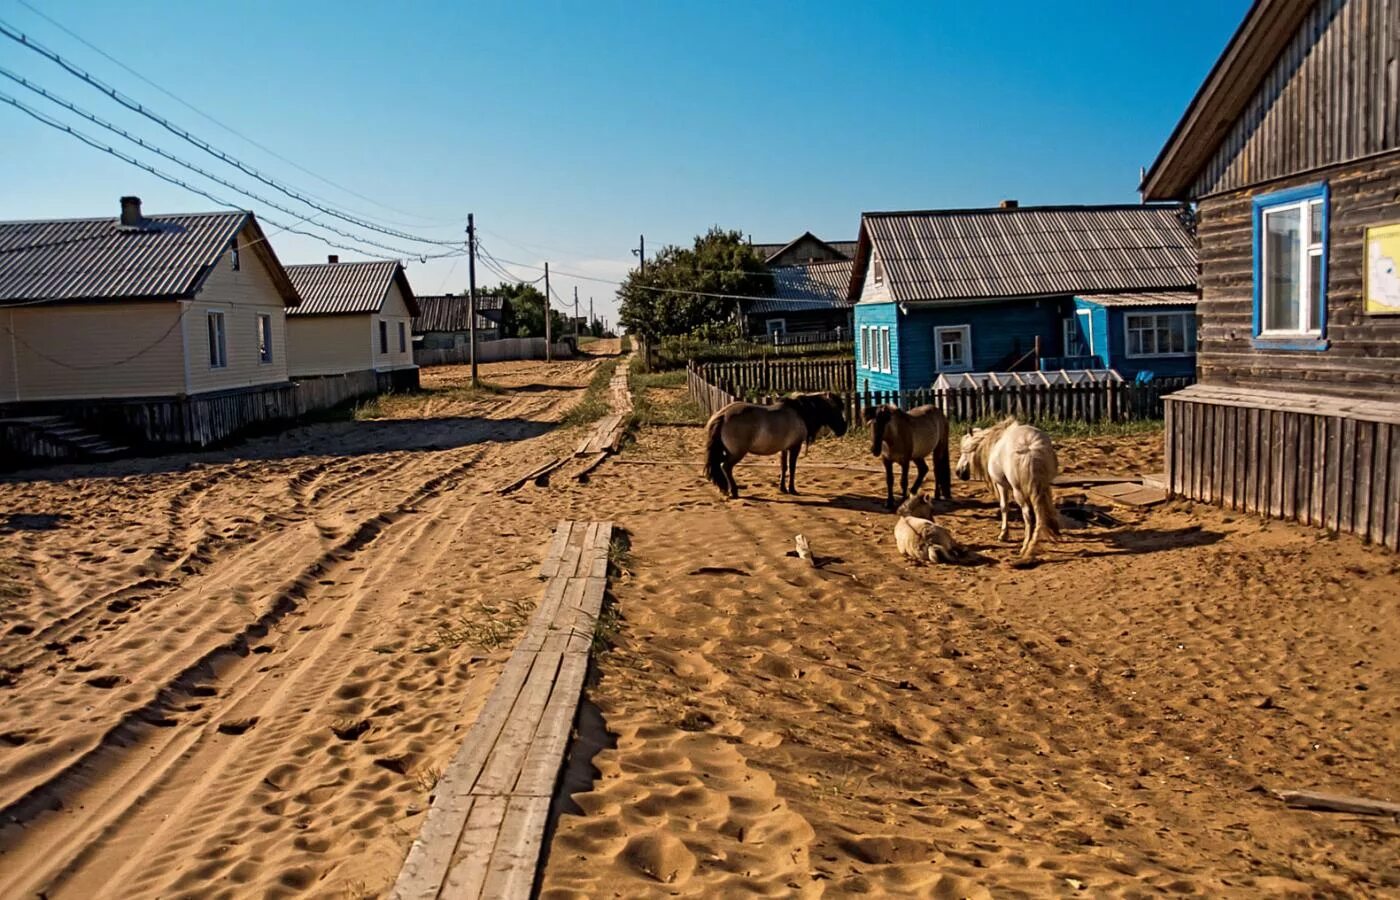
[
  {"x": 1290, "y": 268},
  {"x": 775, "y": 326},
  {"x": 1160, "y": 334},
  {"x": 383, "y": 336},
  {"x": 877, "y": 270},
  {"x": 218, "y": 350},
  {"x": 1077, "y": 336},
  {"x": 865, "y": 347},
  {"x": 233, "y": 256},
  {"x": 953, "y": 344},
  {"x": 885, "y": 350},
  {"x": 264, "y": 339},
  {"x": 403, "y": 339}
]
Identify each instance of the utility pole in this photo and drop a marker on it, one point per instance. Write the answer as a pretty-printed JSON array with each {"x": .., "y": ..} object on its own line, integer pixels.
[
  {"x": 471, "y": 290},
  {"x": 590, "y": 315},
  {"x": 641, "y": 251},
  {"x": 548, "y": 348},
  {"x": 576, "y": 312}
]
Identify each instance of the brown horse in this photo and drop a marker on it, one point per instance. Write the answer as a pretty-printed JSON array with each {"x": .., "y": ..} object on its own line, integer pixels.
[
  {"x": 899, "y": 436},
  {"x": 743, "y": 428}
]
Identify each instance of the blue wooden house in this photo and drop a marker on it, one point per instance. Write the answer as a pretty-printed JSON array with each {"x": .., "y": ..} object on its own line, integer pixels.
[{"x": 1016, "y": 288}]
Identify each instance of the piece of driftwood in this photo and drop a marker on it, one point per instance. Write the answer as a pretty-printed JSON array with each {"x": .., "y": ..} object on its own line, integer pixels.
[{"x": 1325, "y": 802}]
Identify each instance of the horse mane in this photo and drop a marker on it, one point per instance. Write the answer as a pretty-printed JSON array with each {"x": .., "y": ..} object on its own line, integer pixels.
[
  {"x": 812, "y": 408},
  {"x": 983, "y": 444}
]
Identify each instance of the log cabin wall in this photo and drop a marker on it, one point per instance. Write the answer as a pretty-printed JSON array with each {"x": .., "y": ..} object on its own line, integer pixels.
[{"x": 1363, "y": 356}]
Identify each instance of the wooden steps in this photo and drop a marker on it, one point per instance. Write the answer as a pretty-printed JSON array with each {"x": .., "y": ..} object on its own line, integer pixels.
[
  {"x": 484, "y": 834},
  {"x": 56, "y": 437}
]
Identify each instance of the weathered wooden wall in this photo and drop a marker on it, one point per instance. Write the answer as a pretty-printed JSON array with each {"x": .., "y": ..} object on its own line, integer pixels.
[
  {"x": 491, "y": 351},
  {"x": 1363, "y": 358},
  {"x": 1333, "y": 96},
  {"x": 1315, "y": 460}
]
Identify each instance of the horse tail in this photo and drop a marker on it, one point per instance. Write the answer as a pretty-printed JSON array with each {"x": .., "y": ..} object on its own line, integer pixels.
[
  {"x": 1046, "y": 515},
  {"x": 715, "y": 454},
  {"x": 942, "y": 468}
]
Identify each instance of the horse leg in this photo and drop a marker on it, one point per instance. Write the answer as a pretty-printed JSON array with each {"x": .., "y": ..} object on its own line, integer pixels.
[
  {"x": 1032, "y": 524},
  {"x": 1002, "y": 502},
  {"x": 904, "y": 479},
  {"x": 730, "y": 461},
  {"x": 889, "y": 483},
  {"x": 782, "y": 471},
  {"x": 792, "y": 469},
  {"x": 922, "y": 468}
]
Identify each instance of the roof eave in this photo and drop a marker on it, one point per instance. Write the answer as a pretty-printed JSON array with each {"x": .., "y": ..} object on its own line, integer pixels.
[{"x": 1266, "y": 30}]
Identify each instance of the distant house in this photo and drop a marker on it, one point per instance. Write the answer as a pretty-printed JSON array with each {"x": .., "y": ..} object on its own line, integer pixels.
[
  {"x": 442, "y": 320},
  {"x": 803, "y": 249},
  {"x": 810, "y": 277},
  {"x": 354, "y": 318},
  {"x": 165, "y": 329},
  {"x": 807, "y": 300},
  {"x": 1291, "y": 149},
  {"x": 1010, "y": 288}
]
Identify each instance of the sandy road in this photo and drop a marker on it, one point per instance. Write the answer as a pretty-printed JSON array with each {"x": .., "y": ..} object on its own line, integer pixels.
[{"x": 239, "y": 673}]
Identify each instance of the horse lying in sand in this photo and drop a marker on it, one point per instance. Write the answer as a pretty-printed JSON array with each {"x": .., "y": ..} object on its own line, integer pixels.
[
  {"x": 743, "y": 428},
  {"x": 1019, "y": 462},
  {"x": 923, "y": 541},
  {"x": 902, "y": 437}
]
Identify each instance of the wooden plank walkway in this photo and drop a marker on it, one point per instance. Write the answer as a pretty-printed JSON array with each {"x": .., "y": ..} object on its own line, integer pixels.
[
  {"x": 484, "y": 833},
  {"x": 606, "y": 436}
]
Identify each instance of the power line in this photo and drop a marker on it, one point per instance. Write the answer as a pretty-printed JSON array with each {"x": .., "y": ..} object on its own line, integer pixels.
[
  {"x": 131, "y": 104},
  {"x": 203, "y": 115},
  {"x": 172, "y": 179},
  {"x": 645, "y": 287},
  {"x": 59, "y": 101}
]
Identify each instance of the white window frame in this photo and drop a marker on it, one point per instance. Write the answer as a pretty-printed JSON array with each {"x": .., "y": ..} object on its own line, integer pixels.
[
  {"x": 218, "y": 340},
  {"x": 877, "y": 269},
  {"x": 865, "y": 347},
  {"x": 1310, "y": 205},
  {"x": 966, "y": 332},
  {"x": 1188, "y": 330},
  {"x": 1084, "y": 327},
  {"x": 383, "y": 337},
  {"x": 264, "y": 338},
  {"x": 768, "y": 329},
  {"x": 886, "y": 365}
]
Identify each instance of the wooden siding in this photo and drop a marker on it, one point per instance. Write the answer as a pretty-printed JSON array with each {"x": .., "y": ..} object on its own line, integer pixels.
[
  {"x": 877, "y": 316},
  {"x": 1333, "y": 96},
  {"x": 116, "y": 349},
  {"x": 1363, "y": 357},
  {"x": 1320, "y": 463},
  {"x": 241, "y": 296},
  {"x": 394, "y": 312},
  {"x": 330, "y": 345},
  {"x": 1000, "y": 332}
]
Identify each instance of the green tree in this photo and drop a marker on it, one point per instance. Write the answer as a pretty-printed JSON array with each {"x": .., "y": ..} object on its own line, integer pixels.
[
  {"x": 720, "y": 266},
  {"x": 526, "y": 311}
]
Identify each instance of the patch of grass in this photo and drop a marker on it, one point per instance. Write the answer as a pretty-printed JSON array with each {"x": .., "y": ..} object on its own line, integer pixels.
[
  {"x": 1067, "y": 430},
  {"x": 427, "y": 779},
  {"x": 594, "y": 404},
  {"x": 487, "y": 627},
  {"x": 605, "y": 630},
  {"x": 656, "y": 400}
]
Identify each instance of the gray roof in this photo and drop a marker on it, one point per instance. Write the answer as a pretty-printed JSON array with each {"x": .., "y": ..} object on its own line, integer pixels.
[
  {"x": 1146, "y": 298},
  {"x": 339, "y": 288},
  {"x": 976, "y": 254},
  {"x": 448, "y": 312},
  {"x": 820, "y": 285},
  {"x": 768, "y": 252},
  {"x": 165, "y": 258}
]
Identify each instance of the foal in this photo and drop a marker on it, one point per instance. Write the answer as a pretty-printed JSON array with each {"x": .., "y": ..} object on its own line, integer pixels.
[{"x": 899, "y": 436}]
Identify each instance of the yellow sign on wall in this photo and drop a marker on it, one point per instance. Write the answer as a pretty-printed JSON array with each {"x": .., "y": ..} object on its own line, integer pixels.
[{"x": 1381, "y": 291}]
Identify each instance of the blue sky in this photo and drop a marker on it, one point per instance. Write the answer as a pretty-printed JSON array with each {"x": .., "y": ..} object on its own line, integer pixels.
[{"x": 570, "y": 128}]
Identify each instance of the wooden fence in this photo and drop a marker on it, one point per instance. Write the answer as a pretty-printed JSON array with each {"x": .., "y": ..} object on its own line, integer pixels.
[
  {"x": 491, "y": 351},
  {"x": 713, "y": 385},
  {"x": 781, "y": 376}
]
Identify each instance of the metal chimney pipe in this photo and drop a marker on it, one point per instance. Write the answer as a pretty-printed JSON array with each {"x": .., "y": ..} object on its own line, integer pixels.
[{"x": 131, "y": 212}]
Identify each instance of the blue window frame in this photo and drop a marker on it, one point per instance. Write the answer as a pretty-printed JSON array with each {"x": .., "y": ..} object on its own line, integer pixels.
[{"x": 1290, "y": 269}]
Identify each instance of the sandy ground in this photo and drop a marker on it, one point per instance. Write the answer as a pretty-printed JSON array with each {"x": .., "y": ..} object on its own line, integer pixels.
[
  {"x": 1099, "y": 725},
  {"x": 239, "y": 673}
]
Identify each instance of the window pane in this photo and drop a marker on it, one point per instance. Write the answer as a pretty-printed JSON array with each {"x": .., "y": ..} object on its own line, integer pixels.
[
  {"x": 1315, "y": 222},
  {"x": 1177, "y": 326},
  {"x": 1282, "y": 293}
]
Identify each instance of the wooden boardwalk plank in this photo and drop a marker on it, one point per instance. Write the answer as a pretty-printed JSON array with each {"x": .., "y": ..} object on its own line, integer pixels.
[{"x": 484, "y": 834}]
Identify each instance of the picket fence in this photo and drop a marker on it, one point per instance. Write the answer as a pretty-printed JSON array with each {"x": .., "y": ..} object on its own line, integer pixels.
[{"x": 711, "y": 387}]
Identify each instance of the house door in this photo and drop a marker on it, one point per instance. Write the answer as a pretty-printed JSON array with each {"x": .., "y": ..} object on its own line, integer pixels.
[{"x": 1077, "y": 340}]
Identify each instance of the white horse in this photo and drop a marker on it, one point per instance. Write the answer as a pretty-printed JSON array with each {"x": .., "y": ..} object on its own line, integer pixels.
[
  {"x": 1019, "y": 462},
  {"x": 922, "y": 541}
]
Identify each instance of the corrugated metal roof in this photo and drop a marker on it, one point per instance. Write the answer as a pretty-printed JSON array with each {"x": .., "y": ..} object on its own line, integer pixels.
[
  {"x": 769, "y": 252},
  {"x": 1146, "y": 298},
  {"x": 820, "y": 285},
  {"x": 973, "y": 254},
  {"x": 448, "y": 312},
  {"x": 98, "y": 259},
  {"x": 329, "y": 289}
]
